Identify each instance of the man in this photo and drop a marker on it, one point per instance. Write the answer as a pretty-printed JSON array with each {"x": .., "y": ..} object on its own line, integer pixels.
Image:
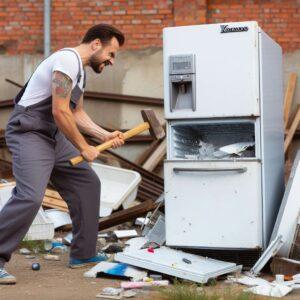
[{"x": 43, "y": 134}]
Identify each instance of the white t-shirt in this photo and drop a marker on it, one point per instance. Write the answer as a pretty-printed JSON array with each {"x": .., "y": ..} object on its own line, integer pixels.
[{"x": 40, "y": 84}]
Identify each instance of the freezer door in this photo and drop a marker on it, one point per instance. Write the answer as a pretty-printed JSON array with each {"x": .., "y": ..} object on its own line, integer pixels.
[
  {"x": 226, "y": 70},
  {"x": 213, "y": 204}
]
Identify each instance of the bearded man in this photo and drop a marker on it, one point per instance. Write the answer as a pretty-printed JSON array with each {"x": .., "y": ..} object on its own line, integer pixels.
[{"x": 43, "y": 133}]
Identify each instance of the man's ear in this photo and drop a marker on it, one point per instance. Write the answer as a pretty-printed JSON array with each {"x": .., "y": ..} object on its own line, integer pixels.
[{"x": 96, "y": 45}]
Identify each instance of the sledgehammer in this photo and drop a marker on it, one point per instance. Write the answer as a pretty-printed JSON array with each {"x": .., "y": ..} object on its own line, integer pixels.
[{"x": 151, "y": 123}]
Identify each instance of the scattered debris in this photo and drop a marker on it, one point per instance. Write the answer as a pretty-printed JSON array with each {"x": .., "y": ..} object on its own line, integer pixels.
[
  {"x": 271, "y": 251},
  {"x": 59, "y": 249},
  {"x": 68, "y": 239},
  {"x": 287, "y": 218},
  {"x": 118, "y": 187},
  {"x": 295, "y": 247},
  {"x": 51, "y": 257},
  {"x": 24, "y": 251},
  {"x": 113, "y": 248},
  {"x": 142, "y": 221},
  {"x": 109, "y": 291},
  {"x": 52, "y": 199},
  {"x": 35, "y": 266},
  {"x": 113, "y": 293},
  {"x": 30, "y": 256},
  {"x": 263, "y": 287},
  {"x": 155, "y": 277},
  {"x": 108, "y": 296},
  {"x": 286, "y": 266},
  {"x": 129, "y": 294},
  {"x": 125, "y": 233},
  {"x": 48, "y": 245},
  {"x": 58, "y": 217},
  {"x": 191, "y": 149},
  {"x": 5, "y": 193},
  {"x": 41, "y": 228},
  {"x": 103, "y": 235},
  {"x": 279, "y": 278},
  {"x": 169, "y": 261},
  {"x": 102, "y": 242},
  {"x": 150, "y": 245},
  {"x": 118, "y": 270},
  {"x": 237, "y": 148},
  {"x": 125, "y": 215},
  {"x": 276, "y": 290},
  {"x": 157, "y": 234},
  {"x": 247, "y": 280},
  {"x": 143, "y": 284}
]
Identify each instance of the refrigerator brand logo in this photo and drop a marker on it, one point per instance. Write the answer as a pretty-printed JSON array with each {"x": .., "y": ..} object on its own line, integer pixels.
[{"x": 226, "y": 29}]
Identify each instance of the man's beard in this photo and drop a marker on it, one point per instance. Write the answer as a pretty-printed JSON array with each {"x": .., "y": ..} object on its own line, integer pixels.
[{"x": 95, "y": 63}]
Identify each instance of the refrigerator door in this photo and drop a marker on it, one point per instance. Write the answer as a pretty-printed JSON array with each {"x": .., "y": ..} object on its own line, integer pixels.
[
  {"x": 223, "y": 72},
  {"x": 213, "y": 204}
]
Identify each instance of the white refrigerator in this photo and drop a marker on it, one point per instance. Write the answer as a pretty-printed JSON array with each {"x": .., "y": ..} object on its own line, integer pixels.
[{"x": 224, "y": 110}]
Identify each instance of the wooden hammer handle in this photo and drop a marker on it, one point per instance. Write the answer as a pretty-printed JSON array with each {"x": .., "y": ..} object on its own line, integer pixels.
[{"x": 128, "y": 134}]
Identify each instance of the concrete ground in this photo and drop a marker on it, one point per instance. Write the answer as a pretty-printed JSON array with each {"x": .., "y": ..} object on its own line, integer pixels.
[{"x": 55, "y": 281}]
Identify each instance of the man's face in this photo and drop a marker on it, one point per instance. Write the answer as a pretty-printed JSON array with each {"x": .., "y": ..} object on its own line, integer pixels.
[{"x": 104, "y": 56}]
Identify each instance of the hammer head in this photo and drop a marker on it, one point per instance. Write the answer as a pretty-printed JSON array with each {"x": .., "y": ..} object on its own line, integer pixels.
[{"x": 156, "y": 130}]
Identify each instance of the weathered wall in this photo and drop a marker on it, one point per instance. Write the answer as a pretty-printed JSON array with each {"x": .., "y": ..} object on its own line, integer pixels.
[{"x": 136, "y": 73}]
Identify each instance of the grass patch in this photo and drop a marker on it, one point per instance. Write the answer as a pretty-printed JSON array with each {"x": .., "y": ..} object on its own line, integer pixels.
[
  {"x": 34, "y": 246},
  {"x": 193, "y": 292}
]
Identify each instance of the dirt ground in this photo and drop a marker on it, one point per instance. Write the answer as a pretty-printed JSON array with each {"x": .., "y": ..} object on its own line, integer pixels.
[{"x": 55, "y": 281}]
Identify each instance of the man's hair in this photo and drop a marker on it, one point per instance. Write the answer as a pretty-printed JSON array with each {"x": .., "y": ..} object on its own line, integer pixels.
[{"x": 105, "y": 33}]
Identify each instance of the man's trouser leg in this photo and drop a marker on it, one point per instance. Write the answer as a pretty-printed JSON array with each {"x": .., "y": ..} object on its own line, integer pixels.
[
  {"x": 33, "y": 160},
  {"x": 80, "y": 188}
]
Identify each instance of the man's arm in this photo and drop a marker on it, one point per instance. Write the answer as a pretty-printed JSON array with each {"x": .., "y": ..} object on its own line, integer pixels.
[
  {"x": 86, "y": 125},
  {"x": 63, "y": 116}
]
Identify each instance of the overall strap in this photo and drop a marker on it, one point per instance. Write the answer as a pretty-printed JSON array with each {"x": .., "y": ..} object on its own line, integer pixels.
[
  {"x": 84, "y": 79},
  {"x": 21, "y": 92}
]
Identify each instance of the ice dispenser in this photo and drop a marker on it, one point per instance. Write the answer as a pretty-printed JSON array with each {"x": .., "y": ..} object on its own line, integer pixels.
[{"x": 182, "y": 82}]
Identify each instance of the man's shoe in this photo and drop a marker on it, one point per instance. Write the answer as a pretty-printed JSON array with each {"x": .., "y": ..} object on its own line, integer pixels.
[
  {"x": 6, "y": 278},
  {"x": 79, "y": 263}
]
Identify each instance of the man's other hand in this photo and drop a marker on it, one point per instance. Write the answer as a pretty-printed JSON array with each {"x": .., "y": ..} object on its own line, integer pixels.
[{"x": 90, "y": 153}]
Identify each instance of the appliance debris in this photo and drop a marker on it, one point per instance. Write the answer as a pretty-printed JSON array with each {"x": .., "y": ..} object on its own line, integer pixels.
[
  {"x": 118, "y": 270},
  {"x": 171, "y": 262}
]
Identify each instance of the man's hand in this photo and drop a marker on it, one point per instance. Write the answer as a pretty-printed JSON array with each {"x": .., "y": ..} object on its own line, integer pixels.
[
  {"x": 90, "y": 153},
  {"x": 117, "y": 137}
]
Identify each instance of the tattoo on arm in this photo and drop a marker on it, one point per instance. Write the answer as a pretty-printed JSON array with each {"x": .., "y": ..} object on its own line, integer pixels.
[{"x": 61, "y": 84}]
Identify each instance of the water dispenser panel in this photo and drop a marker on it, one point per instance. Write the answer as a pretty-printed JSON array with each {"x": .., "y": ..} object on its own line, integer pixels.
[{"x": 182, "y": 82}]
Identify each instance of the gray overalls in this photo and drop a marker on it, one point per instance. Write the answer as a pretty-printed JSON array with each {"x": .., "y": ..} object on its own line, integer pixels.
[{"x": 41, "y": 152}]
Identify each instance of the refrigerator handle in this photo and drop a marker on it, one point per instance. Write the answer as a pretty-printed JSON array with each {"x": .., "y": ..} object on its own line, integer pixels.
[{"x": 204, "y": 170}]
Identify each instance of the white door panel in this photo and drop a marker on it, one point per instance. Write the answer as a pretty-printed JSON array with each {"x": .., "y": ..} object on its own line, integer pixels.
[
  {"x": 213, "y": 204},
  {"x": 226, "y": 67}
]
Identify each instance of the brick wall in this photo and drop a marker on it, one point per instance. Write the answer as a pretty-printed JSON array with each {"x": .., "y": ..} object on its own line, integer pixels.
[
  {"x": 279, "y": 18},
  {"x": 21, "y": 21}
]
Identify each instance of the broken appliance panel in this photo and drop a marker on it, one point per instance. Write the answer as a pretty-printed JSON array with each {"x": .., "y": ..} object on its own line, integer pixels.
[
  {"x": 213, "y": 140},
  {"x": 223, "y": 104}
]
